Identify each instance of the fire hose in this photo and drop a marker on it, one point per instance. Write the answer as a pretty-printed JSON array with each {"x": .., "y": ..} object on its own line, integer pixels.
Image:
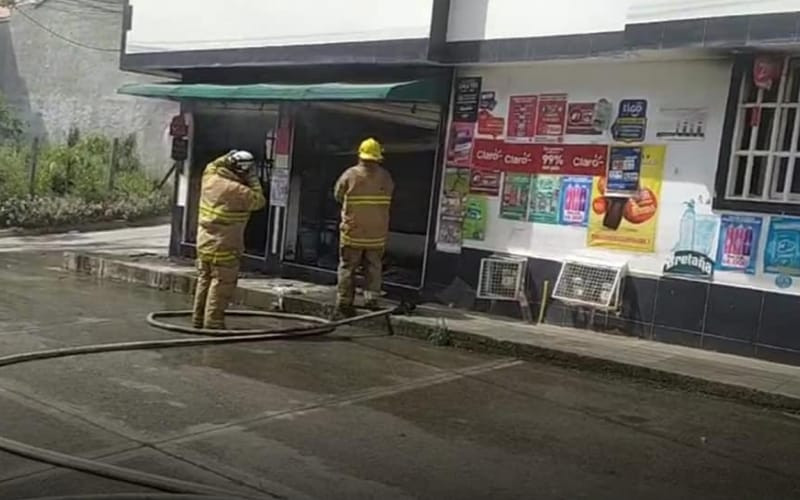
[{"x": 177, "y": 489}]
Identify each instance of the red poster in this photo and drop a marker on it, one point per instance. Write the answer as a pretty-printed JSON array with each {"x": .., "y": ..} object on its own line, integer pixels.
[
  {"x": 580, "y": 118},
  {"x": 574, "y": 159},
  {"x": 570, "y": 159},
  {"x": 491, "y": 125},
  {"x": 551, "y": 117},
  {"x": 522, "y": 117},
  {"x": 283, "y": 143},
  {"x": 485, "y": 182}
]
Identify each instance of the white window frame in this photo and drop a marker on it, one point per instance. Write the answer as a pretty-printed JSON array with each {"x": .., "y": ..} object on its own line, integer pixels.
[{"x": 770, "y": 191}]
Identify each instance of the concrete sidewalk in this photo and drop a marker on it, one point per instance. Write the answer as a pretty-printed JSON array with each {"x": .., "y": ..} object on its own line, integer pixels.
[{"x": 760, "y": 382}]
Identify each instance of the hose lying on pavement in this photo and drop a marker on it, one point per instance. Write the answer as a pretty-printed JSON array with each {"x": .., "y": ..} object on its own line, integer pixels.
[{"x": 179, "y": 488}]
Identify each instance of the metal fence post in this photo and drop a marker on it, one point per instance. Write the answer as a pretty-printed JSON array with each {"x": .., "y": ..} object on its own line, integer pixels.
[{"x": 34, "y": 165}]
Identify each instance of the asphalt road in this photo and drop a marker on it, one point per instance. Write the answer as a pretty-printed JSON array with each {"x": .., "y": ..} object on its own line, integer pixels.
[{"x": 356, "y": 415}]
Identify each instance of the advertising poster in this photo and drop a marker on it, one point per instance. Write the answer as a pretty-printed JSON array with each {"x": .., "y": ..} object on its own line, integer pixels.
[
  {"x": 580, "y": 119},
  {"x": 631, "y": 124},
  {"x": 551, "y": 118},
  {"x": 477, "y": 209},
  {"x": 621, "y": 223},
  {"x": 522, "y": 111},
  {"x": 545, "y": 199},
  {"x": 682, "y": 124},
  {"x": 576, "y": 196},
  {"x": 279, "y": 187},
  {"x": 486, "y": 182},
  {"x": 451, "y": 211},
  {"x": 562, "y": 159},
  {"x": 516, "y": 189},
  {"x": 693, "y": 254},
  {"x": 739, "y": 236},
  {"x": 783, "y": 247},
  {"x": 467, "y": 99},
  {"x": 490, "y": 125},
  {"x": 624, "y": 171},
  {"x": 460, "y": 143}
]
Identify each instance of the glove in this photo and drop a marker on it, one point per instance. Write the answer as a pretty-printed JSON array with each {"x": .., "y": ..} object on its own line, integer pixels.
[{"x": 253, "y": 180}]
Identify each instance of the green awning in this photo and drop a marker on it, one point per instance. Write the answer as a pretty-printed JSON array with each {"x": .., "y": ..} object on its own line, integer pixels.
[{"x": 413, "y": 91}]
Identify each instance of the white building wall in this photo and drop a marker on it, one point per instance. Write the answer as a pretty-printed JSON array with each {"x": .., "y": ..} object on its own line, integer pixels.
[
  {"x": 178, "y": 25},
  {"x": 496, "y": 19},
  {"x": 690, "y": 166}
]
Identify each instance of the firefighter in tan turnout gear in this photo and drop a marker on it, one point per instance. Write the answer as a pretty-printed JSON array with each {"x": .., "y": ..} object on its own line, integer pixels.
[
  {"x": 365, "y": 193},
  {"x": 230, "y": 191}
]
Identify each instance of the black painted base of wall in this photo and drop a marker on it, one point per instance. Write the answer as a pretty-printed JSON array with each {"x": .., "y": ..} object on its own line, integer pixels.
[{"x": 711, "y": 316}]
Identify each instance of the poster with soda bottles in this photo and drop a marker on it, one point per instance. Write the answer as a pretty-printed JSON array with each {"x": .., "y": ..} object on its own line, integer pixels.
[
  {"x": 516, "y": 190},
  {"x": 739, "y": 236},
  {"x": 576, "y": 194},
  {"x": 545, "y": 199}
]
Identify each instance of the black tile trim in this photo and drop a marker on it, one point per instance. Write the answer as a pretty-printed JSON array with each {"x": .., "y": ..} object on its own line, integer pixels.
[{"x": 414, "y": 50}]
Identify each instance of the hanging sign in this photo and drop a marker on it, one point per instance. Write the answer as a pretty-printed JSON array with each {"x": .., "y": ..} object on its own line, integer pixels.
[
  {"x": 766, "y": 70},
  {"x": 738, "y": 243},
  {"x": 551, "y": 118},
  {"x": 631, "y": 124},
  {"x": 279, "y": 187},
  {"x": 467, "y": 99},
  {"x": 522, "y": 111}
]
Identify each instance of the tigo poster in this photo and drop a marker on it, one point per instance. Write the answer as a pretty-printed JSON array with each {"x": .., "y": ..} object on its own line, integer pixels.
[
  {"x": 783, "y": 247},
  {"x": 629, "y": 223},
  {"x": 516, "y": 189},
  {"x": 477, "y": 208},
  {"x": 738, "y": 243},
  {"x": 576, "y": 195},
  {"x": 545, "y": 198}
]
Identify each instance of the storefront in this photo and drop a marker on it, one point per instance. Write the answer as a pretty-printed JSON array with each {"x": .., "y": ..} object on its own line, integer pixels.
[{"x": 305, "y": 136}]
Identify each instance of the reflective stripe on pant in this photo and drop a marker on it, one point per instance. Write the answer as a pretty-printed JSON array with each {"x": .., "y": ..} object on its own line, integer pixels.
[
  {"x": 216, "y": 286},
  {"x": 349, "y": 261}
]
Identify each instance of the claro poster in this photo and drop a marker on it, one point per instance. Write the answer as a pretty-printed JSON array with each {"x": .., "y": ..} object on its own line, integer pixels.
[{"x": 629, "y": 223}]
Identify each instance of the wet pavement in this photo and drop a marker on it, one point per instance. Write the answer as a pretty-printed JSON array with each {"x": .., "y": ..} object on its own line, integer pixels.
[{"x": 354, "y": 415}]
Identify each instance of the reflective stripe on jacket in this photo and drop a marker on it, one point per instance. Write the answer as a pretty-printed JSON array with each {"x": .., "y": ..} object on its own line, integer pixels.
[
  {"x": 365, "y": 193},
  {"x": 225, "y": 206}
]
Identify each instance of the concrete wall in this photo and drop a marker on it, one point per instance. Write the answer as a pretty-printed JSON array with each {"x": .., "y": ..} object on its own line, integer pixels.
[
  {"x": 55, "y": 85},
  {"x": 163, "y": 26}
]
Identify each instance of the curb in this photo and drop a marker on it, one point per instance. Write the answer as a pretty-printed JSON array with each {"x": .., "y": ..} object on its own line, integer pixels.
[
  {"x": 425, "y": 328},
  {"x": 86, "y": 228}
]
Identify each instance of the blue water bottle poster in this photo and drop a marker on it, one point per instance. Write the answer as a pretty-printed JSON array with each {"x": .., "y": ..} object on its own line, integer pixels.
[
  {"x": 576, "y": 195},
  {"x": 739, "y": 236},
  {"x": 783, "y": 247}
]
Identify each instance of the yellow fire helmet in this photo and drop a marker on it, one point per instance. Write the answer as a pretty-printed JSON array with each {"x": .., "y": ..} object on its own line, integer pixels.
[{"x": 370, "y": 150}]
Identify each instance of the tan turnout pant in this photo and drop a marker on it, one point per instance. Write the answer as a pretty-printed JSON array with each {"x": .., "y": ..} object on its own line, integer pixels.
[
  {"x": 216, "y": 286},
  {"x": 349, "y": 261}
]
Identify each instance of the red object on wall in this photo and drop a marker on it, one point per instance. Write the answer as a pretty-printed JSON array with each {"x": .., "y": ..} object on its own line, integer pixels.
[
  {"x": 567, "y": 159},
  {"x": 522, "y": 116},
  {"x": 552, "y": 117},
  {"x": 766, "y": 70},
  {"x": 488, "y": 124}
]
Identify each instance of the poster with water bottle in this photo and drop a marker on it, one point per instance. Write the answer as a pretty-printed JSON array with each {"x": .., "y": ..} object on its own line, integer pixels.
[
  {"x": 576, "y": 195},
  {"x": 738, "y": 243}
]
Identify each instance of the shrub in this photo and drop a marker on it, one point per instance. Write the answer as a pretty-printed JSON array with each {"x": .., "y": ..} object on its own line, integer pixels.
[{"x": 14, "y": 177}]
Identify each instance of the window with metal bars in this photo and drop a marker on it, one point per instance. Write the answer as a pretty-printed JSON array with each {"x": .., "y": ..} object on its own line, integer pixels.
[{"x": 763, "y": 166}]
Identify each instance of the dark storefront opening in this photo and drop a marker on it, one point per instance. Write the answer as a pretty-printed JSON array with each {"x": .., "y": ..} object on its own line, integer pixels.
[
  {"x": 327, "y": 136},
  {"x": 219, "y": 130}
]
